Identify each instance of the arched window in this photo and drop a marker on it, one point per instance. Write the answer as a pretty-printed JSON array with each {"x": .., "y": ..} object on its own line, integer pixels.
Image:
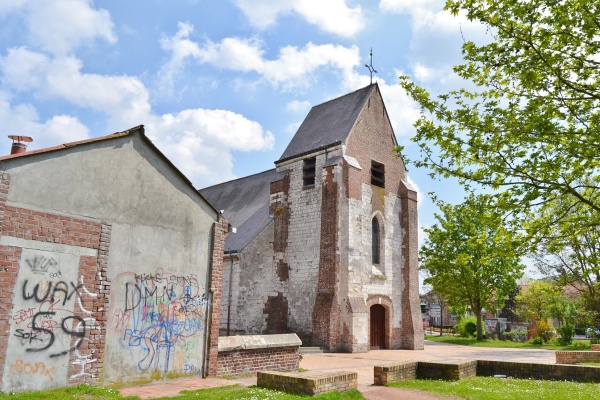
[{"x": 375, "y": 232}]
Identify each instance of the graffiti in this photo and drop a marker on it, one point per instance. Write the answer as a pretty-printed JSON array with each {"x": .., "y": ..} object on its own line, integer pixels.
[
  {"x": 49, "y": 323},
  {"x": 162, "y": 319},
  {"x": 27, "y": 368},
  {"x": 40, "y": 264},
  {"x": 22, "y": 315},
  {"x": 56, "y": 290}
]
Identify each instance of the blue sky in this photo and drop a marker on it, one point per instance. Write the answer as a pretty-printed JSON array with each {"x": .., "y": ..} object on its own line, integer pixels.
[{"x": 221, "y": 86}]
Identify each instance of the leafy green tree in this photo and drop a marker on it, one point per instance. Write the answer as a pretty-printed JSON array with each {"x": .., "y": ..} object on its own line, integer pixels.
[
  {"x": 538, "y": 301},
  {"x": 471, "y": 256},
  {"x": 569, "y": 253},
  {"x": 530, "y": 125}
]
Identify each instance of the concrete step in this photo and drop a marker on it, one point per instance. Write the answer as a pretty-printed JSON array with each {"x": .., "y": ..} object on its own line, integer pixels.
[{"x": 311, "y": 350}]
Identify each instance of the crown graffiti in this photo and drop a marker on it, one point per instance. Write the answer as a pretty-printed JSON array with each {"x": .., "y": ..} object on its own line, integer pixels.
[{"x": 41, "y": 263}]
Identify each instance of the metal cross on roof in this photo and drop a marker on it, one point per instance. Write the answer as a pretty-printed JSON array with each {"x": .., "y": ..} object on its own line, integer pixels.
[{"x": 370, "y": 67}]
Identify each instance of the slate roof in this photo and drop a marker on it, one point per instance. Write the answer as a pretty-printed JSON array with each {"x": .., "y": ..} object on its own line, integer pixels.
[
  {"x": 245, "y": 204},
  {"x": 328, "y": 123}
]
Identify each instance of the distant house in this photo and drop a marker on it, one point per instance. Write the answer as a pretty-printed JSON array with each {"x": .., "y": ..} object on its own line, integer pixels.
[
  {"x": 110, "y": 266},
  {"x": 325, "y": 244}
]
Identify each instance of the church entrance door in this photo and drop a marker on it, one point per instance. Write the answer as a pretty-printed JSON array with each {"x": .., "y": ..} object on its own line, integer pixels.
[{"x": 377, "y": 327}]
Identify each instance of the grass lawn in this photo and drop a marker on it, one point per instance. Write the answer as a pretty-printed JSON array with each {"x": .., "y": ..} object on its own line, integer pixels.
[
  {"x": 506, "y": 389},
  {"x": 84, "y": 392},
  {"x": 577, "y": 344}
]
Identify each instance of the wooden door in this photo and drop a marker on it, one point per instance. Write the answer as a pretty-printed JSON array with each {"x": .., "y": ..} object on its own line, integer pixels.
[{"x": 377, "y": 327}]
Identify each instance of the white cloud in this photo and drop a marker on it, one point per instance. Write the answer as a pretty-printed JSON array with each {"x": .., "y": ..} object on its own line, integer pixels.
[
  {"x": 123, "y": 98},
  {"x": 333, "y": 16},
  {"x": 293, "y": 67},
  {"x": 23, "y": 119},
  {"x": 60, "y": 27},
  {"x": 298, "y": 106},
  {"x": 200, "y": 141}
]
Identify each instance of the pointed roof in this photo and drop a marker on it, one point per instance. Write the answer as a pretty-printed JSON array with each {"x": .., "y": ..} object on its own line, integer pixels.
[
  {"x": 327, "y": 124},
  {"x": 135, "y": 131},
  {"x": 245, "y": 205}
]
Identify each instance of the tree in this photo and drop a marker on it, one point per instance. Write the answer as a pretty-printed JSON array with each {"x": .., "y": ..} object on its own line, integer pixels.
[
  {"x": 471, "y": 256},
  {"x": 569, "y": 254},
  {"x": 531, "y": 125},
  {"x": 541, "y": 300},
  {"x": 538, "y": 301}
]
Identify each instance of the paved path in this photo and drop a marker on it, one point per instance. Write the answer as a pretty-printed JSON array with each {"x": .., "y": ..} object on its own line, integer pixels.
[{"x": 363, "y": 364}]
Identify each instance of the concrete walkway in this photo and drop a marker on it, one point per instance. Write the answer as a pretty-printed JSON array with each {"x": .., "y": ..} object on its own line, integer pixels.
[{"x": 363, "y": 364}]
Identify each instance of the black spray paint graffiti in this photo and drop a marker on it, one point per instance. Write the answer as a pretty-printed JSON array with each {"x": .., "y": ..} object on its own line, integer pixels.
[{"x": 46, "y": 325}]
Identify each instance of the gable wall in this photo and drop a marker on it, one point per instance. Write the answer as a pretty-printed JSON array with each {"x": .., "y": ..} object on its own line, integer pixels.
[
  {"x": 367, "y": 284},
  {"x": 153, "y": 266}
]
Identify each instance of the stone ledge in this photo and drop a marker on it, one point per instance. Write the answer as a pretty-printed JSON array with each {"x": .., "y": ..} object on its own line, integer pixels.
[
  {"x": 309, "y": 383},
  {"x": 231, "y": 343}
]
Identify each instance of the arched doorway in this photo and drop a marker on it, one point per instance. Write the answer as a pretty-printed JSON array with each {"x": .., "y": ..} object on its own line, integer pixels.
[{"x": 377, "y": 327}]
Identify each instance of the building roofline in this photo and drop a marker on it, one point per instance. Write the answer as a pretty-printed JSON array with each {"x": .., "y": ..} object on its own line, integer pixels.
[{"x": 139, "y": 130}]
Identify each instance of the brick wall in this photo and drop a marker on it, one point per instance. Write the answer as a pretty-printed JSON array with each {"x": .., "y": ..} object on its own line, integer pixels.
[
  {"x": 220, "y": 229},
  {"x": 246, "y": 361},
  {"x": 326, "y": 313},
  {"x": 455, "y": 371},
  {"x": 308, "y": 383},
  {"x": 573, "y": 357},
  {"x": 89, "y": 313}
]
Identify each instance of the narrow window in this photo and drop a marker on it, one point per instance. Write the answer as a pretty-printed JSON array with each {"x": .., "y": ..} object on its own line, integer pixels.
[
  {"x": 375, "y": 240},
  {"x": 308, "y": 172},
  {"x": 377, "y": 174}
]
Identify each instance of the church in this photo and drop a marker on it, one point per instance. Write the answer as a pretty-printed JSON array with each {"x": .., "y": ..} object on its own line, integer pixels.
[{"x": 324, "y": 245}]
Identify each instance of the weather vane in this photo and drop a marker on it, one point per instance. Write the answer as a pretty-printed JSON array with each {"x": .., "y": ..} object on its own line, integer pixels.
[{"x": 370, "y": 67}]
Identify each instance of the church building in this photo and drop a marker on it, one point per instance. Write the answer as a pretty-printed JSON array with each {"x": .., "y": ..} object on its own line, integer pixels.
[{"x": 325, "y": 244}]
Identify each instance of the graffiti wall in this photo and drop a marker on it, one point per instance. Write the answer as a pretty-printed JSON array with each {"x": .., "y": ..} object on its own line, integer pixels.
[
  {"x": 49, "y": 321},
  {"x": 156, "y": 325}
]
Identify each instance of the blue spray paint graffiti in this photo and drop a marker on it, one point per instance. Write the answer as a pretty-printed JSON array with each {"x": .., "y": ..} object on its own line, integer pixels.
[{"x": 163, "y": 320}]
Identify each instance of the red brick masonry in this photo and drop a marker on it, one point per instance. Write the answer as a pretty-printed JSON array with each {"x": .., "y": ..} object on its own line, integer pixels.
[{"x": 241, "y": 355}]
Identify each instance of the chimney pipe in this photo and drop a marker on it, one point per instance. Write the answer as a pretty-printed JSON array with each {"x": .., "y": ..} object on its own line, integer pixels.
[{"x": 19, "y": 144}]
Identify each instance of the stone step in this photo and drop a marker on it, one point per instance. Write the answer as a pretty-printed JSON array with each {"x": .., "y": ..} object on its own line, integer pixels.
[{"x": 310, "y": 350}]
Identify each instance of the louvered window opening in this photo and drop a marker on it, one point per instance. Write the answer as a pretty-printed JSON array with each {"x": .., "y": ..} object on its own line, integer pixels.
[
  {"x": 308, "y": 172},
  {"x": 377, "y": 174}
]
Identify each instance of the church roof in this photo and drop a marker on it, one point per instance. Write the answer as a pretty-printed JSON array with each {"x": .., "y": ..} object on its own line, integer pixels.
[
  {"x": 327, "y": 124},
  {"x": 245, "y": 204}
]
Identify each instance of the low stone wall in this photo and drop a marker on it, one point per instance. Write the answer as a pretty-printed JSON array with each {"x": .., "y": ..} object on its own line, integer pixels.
[
  {"x": 595, "y": 347},
  {"x": 423, "y": 370},
  {"x": 455, "y": 371},
  {"x": 446, "y": 371},
  {"x": 308, "y": 383},
  {"x": 394, "y": 373},
  {"x": 242, "y": 355},
  {"x": 552, "y": 372},
  {"x": 574, "y": 357}
]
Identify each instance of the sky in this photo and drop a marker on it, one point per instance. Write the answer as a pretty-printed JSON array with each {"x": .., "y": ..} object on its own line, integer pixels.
[{"x": 220, "y": 86}]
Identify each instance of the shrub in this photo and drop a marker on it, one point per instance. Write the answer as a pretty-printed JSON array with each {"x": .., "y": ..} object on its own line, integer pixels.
[
  {"x": 537, "y": 341},
  {"x": 467, "y": 326},
  {"x": 545, "y": 331},
  {"x": 567, "y": 332},
  {"x": 509, "y": 336}
]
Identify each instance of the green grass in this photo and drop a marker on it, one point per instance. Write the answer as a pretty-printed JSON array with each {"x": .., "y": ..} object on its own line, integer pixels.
[
  {"x": 79, "y": 392},
  {"x": 577, "y": 344},
  {"x": 234, "y": 392},
  {"x": 506, "y": 389},
  {"x": 592, "y": 364},
  {"x": 238, "y": 392}
]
